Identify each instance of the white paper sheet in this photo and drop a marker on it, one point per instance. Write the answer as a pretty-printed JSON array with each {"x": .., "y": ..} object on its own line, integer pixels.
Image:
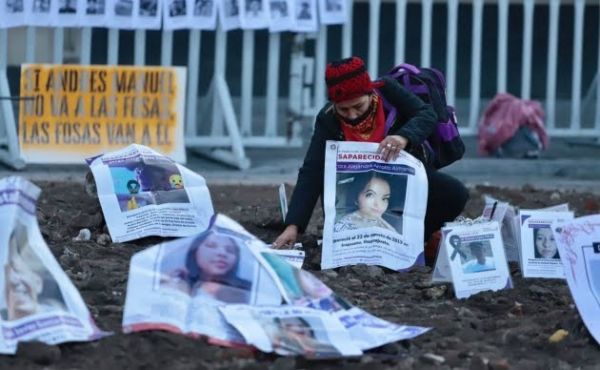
[
  {"x": 38, "y": 302},
  {"x": 229, "y": 14},
  {"x": 40, "y": 12},
  {"x": 254, "y": 14},
  {"x": 333, "y": 11},
  {"x": 282, "y": 16},
  {"x": 94, "y": 13},
  {"x": 374, "y": 210},
  {"x": 305, "y": 16},
  {"x": 578, "y": 243},
  {"x": 12, "y": 13},
  {"x": 144, "y": 193}
]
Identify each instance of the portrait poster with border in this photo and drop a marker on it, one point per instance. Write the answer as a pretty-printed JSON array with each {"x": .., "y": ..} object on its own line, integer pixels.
[
  {"x": 540, "y": 257},
  {"x": 94, "y": 13},
  {"x": 254, "y": 14},
  {"x": 374, "y": 210},
  {"x": 229, "y": 14},
  {"x": 282, "y": 16},
  {"x": 578, "y": 244},
  {"x": 476, "y": 259},
  {"x": 333, "y": 11},
  {"x": 306, "y": 18},
  {"x": 38, "y": 300},
  {"x": 12, "y": 13},
  {"x": 40, "y": 13}
]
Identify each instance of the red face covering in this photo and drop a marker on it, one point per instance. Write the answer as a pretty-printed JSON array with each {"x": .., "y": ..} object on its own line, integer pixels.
[{"x": 368, "y": 127}]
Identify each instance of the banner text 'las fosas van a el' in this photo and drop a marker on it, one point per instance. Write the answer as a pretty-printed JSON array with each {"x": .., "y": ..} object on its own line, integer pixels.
[{"x": 69, "y": 113}]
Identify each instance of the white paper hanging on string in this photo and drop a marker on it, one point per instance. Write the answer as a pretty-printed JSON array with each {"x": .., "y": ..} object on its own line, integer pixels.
[
  {"x": 306, "y": 16},
  {"x": 282, "y": 17},
  {"x": 203, "y": 15},
  {"x": 254, "y": 14},
  {"x": 120, "y": 14},
  {"x": 147, "y": 15},
  {"x": 12, "y": 13},
  {"x": 333, "y": 11},
  {"x": 94, "y": 13},
  {"x": 229, "y": 14},
  {"x": 40, "y": 12},
  {"x": 175, "y": 14}
]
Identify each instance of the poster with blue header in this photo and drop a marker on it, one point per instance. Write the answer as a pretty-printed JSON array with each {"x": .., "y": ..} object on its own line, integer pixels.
[{"x": 374, "y": 210}]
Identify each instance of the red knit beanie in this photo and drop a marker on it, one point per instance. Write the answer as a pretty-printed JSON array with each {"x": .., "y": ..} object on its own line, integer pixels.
[{"x": 348, "y": 79}]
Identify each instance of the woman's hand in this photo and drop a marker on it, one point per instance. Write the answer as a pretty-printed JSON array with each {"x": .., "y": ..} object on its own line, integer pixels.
[
  {"x": 287, "y": 239},
  {"x": 391, "y": 146}
]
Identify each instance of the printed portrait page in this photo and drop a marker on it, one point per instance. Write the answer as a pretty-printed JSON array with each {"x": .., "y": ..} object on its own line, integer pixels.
[
  {"x": 68, "y": 13},
  {"x": 302, "y": 288},
  {"x": 504, "y": 214},
  {"x": 180, "y": 285},
  {"x": 147, "y": 14},
  {"x": 177, "y": 14},
  {"x": 477, "y": 259},
  {"x": 333, "y": 11},
  {"x": 40, "y": 12},
  {"x": 282, "y": 15},
  {"x": 229, "y": 14},
  {"x": 120, "y": 14},
  {"x": 144, "y": 193},
  {"x": 289, "y": 330},
  {"x": 254, "y": 14},
  {"x": 38, "y": 301},
  {"x": 578, "y": 243},
  {"x": 374, "y": 210},
  {"x": 305, "y": 14},
  {"x": 203, "y": 15},
  {"x": 94, "y": 13},
  {"x": 12, "y": 13},
  {"x": 539, "y": 254}
]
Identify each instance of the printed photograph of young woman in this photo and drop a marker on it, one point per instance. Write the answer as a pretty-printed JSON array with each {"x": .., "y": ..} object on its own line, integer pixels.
[
  {"x": 213, "y": 268},
  {"x": 29, "y": 288},
  {"x": 544, "y": 244},
  {"x": 299, "y": 335},
  {"x": 370, "y": 199}
]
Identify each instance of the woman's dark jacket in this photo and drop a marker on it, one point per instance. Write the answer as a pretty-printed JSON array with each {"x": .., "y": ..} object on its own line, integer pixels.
[{"x": 415, "y": 121}]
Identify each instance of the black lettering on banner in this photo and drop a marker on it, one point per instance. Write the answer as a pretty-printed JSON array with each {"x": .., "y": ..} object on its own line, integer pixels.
[
  {"x": 36, "y": 133},
  {"x": 120, "y": 133},
  {"x": 596, "y": 246},
  {"x": 34, "y": 105}
]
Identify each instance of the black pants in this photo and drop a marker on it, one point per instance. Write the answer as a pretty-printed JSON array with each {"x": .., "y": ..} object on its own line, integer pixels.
[{"x": 446, "y": 200}]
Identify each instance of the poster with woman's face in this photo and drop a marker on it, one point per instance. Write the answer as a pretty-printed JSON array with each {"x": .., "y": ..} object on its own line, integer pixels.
[
  {"x": 12, "y": 13},
  {"x": 214, "y": 266},
  {"x": 305, "y": 13},
  {"x": 40, "y": 12},
  {"x": 204, "y": 15},
  {"x": 539, "y": 251},
  {"x": 254, "y": 14},
  {"x": 176, "y": 14},
  {"x": 333, "y": 11},
  {"x": 282, "y": 18},
  {"x": 370, "y": 199}
]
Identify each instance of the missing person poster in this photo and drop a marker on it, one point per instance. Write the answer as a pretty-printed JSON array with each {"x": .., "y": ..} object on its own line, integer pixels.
[
  {"x": 473, "y": 255},
  {"x": 229, "y": 14},
  {"x": 333, "y": 11},
  {"x": 539, "y": 254},
  {"x": 12, "y": 13},
  {"x": 38, "y": 302},
  {"x": 282, "y": 17},
  {"x": 179, "y": 285},
  {"x": 143, "y": 193},
  {"x": 69, "y": 113},
  {"x": 289, "y": 330},
  {"x": 578, "y": 243},
  {"x": 374, "y": 210}
]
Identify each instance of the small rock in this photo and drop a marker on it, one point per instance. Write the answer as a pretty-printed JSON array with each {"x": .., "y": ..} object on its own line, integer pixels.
[
  {"x": 355, "y": 283},
  {"x": 38, "y": 352},
  {"x": 366, "y": 359},
  {"x": 329, "y": 273},
  {"x": 435, "y": 292},
  {"x": 517, "y": 309},
  {"x": 558, "y": 336},
  {"x": 103, "y": 239},
  {"x": 465, "y": 312},
  {"x": 284, "y": 363},
  {"x": 500, "y": 364},
  {"x": 433, "y": 359},
  {"x": 374, "y": 271},
  {"x": 536, "y": 289},
  {"x": 479, "y": 363},
  {"x": 423, "y": 284},
  {"x": 555, "y": 196},
  {"x": 84, "y": 235}
]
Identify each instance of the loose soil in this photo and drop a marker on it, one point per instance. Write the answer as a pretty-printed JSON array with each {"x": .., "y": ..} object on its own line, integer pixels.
[{"x": 491, "y": 330}]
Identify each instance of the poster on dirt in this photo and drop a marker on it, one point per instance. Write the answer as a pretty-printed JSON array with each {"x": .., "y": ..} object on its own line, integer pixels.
[
  {"x": 291, "y": 330},
  {"x": 38, "y": 302},
  {"x": 144, "y": 193},
  {"x": 302, "y": 288},
  {"x": 540, "y": 257},
  {"x": 70, "y": 112},
  {"x": 12, "y": 13},
  {"x": 179, "y": 285},
  {"x": 473, "y": 256},
  {"x": 578, "y": 243},
  {"x": 374, "y": 210}
]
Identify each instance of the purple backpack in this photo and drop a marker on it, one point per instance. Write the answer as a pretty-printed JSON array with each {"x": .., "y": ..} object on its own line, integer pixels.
[{"x": 429, "y": 84}]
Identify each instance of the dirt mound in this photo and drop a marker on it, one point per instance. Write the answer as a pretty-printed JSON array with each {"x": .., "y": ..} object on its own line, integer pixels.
[{"x": 502, "y": 330}]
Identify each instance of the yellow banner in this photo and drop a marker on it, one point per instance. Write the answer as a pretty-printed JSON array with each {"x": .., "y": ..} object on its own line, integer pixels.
[{"x": 70, "y": 112}]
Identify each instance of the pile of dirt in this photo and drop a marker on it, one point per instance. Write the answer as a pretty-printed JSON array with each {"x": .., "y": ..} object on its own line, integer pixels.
[{"x": 491, "y": 330}]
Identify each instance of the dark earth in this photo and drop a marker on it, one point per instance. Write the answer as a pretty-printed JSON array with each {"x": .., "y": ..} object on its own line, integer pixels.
[{"x": 492, "y": 330}]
